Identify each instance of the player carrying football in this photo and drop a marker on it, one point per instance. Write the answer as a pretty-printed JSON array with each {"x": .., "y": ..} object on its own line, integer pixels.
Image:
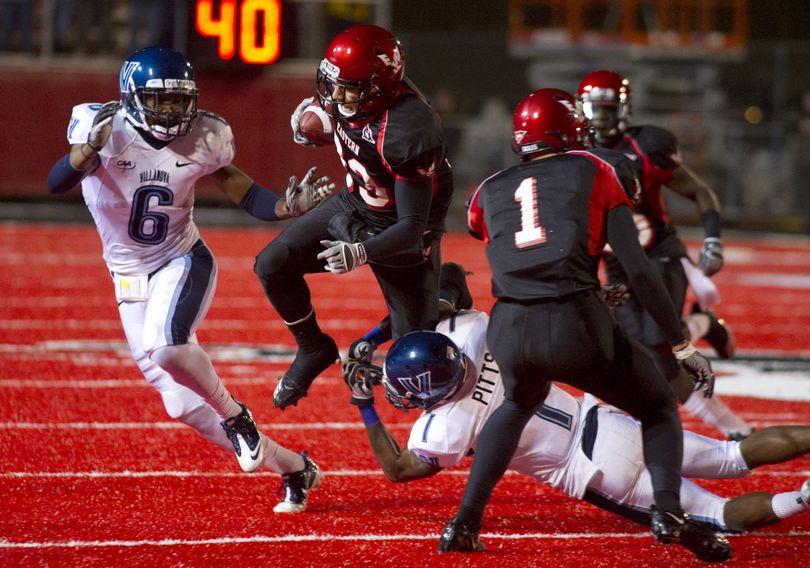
[{"x": 390, "y": 215}]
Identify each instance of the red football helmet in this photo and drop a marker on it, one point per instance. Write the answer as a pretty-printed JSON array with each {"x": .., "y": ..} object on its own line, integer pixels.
[
  {"x": 548, "y": 121},
  {"x": 367, "y": 58},
  {"x": 604, "y": 99}
]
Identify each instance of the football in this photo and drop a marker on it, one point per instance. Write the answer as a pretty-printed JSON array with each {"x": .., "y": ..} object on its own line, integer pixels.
[{"x": 316, "y": 124}]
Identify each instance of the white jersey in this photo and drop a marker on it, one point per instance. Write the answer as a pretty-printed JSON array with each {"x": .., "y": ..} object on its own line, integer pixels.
[
  {"x": 142, "y": 198},
  {"x": 550, "y": 449}
]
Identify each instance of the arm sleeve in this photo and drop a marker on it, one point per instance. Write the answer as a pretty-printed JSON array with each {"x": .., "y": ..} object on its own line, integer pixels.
[
  {"x": 63, "y": 177},
  {"x": 645, "y": 280},
  {"x": 260, "y": 203},
  {"x": 413, "y": 205}
]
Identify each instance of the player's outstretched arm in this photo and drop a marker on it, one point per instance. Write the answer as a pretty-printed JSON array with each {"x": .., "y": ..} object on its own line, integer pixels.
[
  {"x": 649, "y": 288},
  {"x": 398, "y": 465},
  {"x": 266, "y": 205},
  {"x": 687, "y": 183}
]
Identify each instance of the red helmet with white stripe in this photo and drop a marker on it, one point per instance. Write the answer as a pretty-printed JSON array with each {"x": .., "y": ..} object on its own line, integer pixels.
[
  {"x": 604, "y": 98},
  {"x": 548, "y": 121}
]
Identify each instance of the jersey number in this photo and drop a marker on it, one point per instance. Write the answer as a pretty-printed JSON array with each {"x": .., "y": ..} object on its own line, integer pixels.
[
  {"x": 148, "y": 227},
  {"x": 375, "y": 196},
  {"x": 530, "y": 233}
]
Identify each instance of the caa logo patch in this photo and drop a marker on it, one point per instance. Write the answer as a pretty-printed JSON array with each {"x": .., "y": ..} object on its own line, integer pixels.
[{"x": 125, "y": 164}]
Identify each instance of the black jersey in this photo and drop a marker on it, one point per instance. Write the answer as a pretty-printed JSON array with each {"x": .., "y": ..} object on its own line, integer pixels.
[
  {"x": 653, "y": 152},
  {"x": 405, "y": 142},
  {"x": 544, "y": 221}
]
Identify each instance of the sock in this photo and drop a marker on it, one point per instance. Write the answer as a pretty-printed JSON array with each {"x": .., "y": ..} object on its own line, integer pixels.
[
  {"x": 714, "y": 412},
  {"x": 790, "y": 504},
  {"x": 191, "y": 367},
  {"x": 698, "y": 325},
  {"x": 307, "y": 332},
  {"x": 279, "y": 459}
]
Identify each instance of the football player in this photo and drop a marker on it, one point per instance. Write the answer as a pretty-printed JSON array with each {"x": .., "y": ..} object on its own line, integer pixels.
[
  {"x": 604, "y": 97},
  {"x": 545, "y": 222},
  {"x": 138, "y": 161},
  {"x": 390, "y": 215},
  {"x": 590, "y": 451}
]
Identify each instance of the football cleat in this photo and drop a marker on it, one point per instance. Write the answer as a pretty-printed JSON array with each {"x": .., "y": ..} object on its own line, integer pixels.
[
  {"x": 305, "y": 368},
  {"x": 719, "y": 335},
  {"x": 457, "y": 537},
  {"x": 246, "y": 439},
  {"x": 805, "y": 491},
  {"x": 297, "y": 485},
  {"x": 668, "y": 527}
]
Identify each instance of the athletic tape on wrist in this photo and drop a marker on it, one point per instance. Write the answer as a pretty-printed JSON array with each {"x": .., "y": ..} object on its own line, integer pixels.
[{"x": 685, "y": 352}]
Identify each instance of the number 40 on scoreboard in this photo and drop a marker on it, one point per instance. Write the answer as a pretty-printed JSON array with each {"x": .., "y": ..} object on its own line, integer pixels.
[{"x": 251, "y": 27}]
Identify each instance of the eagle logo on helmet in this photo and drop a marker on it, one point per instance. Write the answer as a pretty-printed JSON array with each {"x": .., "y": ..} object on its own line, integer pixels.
[{"x": 396, "y": 63}]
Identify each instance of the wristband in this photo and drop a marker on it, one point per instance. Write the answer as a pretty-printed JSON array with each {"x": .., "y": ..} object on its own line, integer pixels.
[
  {"x": 711, "y": 223},
  {"x": 684, "y": 352},
  {"x": 260, "y": 203},
  {"x": 369, "y": 415},
  {"x": 376, "y": 336}
]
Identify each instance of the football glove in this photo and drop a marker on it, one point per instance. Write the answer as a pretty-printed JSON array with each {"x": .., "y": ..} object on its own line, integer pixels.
[
  {"x": 308, "y": 194},
  {"x": 698, "y": 368},
  {"x": 362, "y": 351},
  {"x": 614, "y": 295},
  {"x": 361, "y": 378},
  {"x": 102, "y": 125},
  {"x": 295, "y": 117},
  {"x": 342, "y": 257},
  {"x": 711, "y": 256}
]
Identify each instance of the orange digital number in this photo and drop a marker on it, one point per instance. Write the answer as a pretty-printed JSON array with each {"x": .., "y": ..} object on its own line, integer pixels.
[{"x": 252, "y": 47}]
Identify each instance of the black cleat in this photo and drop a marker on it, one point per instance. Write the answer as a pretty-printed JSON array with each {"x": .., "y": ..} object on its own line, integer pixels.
[
  {"x": 297, "y": 485},
  {"x": 246, "y": 439},
  {"x": 670, "y": 527},
  {"x": 453, "y": 290},
  {"x": 305, "y": 368},
  {"x": 456, "y": 537},
  {"x": 719, "y": 335}
]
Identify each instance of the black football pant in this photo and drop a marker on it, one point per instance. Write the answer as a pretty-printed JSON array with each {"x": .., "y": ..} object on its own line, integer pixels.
[
  {"x": 637, "y": 321},
  {"x": 574, "y": 341},
  {"x": 411, "y": 293}
]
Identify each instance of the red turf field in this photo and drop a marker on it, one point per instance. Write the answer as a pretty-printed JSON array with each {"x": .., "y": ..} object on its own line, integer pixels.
[{"x": 95, "y": 474}]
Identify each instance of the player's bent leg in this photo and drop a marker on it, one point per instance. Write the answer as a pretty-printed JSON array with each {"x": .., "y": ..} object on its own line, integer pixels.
[
  {"x": 760, "y": 509},
  {"x": 775, "y": 444},
  {"x": 715, "y": 412}
]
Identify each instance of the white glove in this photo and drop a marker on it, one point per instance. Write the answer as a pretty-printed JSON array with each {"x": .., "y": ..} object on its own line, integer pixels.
[
  {"x": 295, "y": 117},
  {"x": 102, "y": 125},
  {"x": 342, "y": 257},
  {"x": 308, "y": 194},
  {"x": 711, "y": 256}
]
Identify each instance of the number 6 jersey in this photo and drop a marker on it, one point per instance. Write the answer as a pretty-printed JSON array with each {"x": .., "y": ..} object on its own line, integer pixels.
[{"x": 142, "y": 198}]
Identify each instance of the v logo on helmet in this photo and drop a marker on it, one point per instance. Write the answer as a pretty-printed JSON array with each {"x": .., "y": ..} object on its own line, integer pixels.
[
  {"x": 418, "y": 385},
  {"x": 519, "y": 135},
  {"x": 126, "y": 73}
]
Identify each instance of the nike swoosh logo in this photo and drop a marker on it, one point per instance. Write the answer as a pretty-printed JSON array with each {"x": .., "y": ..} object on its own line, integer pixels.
[
  {"x": 178, "y": 164},
  {"x": 256, "y": 455}
]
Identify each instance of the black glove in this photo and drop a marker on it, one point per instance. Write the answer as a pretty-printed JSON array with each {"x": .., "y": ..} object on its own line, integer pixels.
[
  {"x": 362, "y": 351},
  {"x": 698, "y": 368},
  {"x": 614, "y": 295},
  {"x": 711, "y": 256},
  {"x": 361, "y": 378}
]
